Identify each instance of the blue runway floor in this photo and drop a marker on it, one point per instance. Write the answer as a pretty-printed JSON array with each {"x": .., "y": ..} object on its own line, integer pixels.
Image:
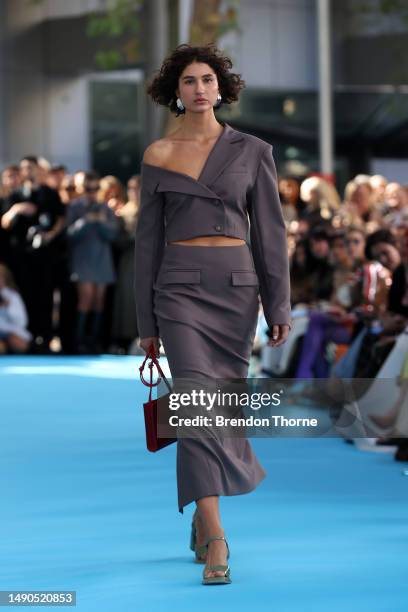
[{"x": 85, "y": 507}]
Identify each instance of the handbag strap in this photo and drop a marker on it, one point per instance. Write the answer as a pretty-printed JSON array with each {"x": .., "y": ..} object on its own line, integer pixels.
[{"x": 153, "y": 361}]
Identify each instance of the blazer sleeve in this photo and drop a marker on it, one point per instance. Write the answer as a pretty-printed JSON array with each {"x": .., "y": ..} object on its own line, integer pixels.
[
  {"x": 269, "y": 243},
  {"x": 149, "y": 244}
]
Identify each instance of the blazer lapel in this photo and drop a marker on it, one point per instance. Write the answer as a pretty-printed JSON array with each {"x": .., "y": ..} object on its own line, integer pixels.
[
  {"x": 182, "y": 183},
  {"x": 222, "y": 155},
  {"x": 227, "y": 148}
]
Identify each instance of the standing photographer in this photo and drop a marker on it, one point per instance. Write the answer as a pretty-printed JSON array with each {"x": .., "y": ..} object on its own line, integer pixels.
[{"x": 35, "y": 216}]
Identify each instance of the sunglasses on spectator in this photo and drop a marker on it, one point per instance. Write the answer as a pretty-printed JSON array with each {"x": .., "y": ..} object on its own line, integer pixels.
[{"x": 91, "y": 189}]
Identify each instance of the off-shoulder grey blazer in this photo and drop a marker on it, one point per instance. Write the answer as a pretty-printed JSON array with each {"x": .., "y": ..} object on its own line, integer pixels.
[{"x": 238, "y": 181}]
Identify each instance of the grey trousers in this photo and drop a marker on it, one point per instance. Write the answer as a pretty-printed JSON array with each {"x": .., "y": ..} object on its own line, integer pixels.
[{"x": 206, "y": 304}]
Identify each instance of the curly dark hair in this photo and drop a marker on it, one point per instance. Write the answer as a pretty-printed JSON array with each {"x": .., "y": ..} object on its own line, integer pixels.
[
  {"x": 381, "y": 235},
  {"x": 163, "y": 87}
]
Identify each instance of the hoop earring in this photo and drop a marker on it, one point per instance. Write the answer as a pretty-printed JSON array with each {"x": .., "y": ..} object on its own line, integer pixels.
[
  {"x": 218, "y": 102},
  {"x": 179, "y": 104}
]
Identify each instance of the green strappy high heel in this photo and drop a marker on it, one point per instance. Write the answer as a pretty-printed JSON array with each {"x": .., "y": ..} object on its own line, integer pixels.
[
  {"x": 198, "y": 550},
  {"x": 226, "y": 578}
]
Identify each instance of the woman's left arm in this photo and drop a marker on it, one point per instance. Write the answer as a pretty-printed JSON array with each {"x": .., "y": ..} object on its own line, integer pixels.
[
  {"x": 109, "y": 227},
  {"x": 269, "y": 243}
]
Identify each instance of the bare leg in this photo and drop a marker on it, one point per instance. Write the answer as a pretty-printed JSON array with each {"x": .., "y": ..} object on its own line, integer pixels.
[
  {"x": 384, "y": 421},
  {"x": 399, "y": 426},
  {"x": 208, "y": 510}
]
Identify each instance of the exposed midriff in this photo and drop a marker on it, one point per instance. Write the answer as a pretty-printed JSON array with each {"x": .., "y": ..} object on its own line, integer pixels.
[{"x": 211, "y": 241}]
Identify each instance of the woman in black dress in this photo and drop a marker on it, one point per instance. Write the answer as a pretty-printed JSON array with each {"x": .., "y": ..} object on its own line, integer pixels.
[{"x": 197, "y": 281}]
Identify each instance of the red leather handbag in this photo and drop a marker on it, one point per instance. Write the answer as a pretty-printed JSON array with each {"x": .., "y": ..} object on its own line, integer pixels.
[{"x": 150, "y": 408}]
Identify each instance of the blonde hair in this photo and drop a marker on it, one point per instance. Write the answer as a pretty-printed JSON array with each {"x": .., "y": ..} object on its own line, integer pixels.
[
  {"x": 106, "y": 183},
  {"x": 326, "y": 193}
]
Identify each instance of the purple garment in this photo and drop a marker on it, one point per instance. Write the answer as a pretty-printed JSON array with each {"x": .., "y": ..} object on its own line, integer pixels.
[{"x": 322, "y": 329}]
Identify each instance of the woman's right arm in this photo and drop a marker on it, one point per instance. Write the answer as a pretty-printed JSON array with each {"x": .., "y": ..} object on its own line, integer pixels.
[{"x": 149, "y": 245}]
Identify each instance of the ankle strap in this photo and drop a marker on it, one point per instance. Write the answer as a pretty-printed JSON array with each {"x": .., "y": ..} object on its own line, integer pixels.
[{"x": 218, "y": 538}]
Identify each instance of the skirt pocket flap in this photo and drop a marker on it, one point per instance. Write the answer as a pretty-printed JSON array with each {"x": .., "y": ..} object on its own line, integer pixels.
[
  {"x": 182, "y": 276},
  {"x": 244, "y": 278}
]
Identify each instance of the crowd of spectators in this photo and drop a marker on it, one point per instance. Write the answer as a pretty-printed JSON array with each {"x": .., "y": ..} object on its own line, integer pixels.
[
  {"x": 66, "y": 271},
  {"x": 66, "y": 249},
  {"x": 349, "y": 284}
]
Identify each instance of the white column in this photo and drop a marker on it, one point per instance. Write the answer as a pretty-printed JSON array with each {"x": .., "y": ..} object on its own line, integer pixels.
[{"x": 325, "y": 88}]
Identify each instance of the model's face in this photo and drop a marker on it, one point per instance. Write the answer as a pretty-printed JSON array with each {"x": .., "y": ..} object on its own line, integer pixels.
[
  {"x": 198, "y": 87},
  {"x": 355, "y": 245}
]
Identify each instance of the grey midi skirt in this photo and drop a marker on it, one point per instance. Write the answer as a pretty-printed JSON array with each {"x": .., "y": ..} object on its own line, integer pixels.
[{"x": 206, "y": 304}]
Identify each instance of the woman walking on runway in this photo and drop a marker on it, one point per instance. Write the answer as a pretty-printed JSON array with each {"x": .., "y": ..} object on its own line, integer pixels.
[{"x": 197, "y": 281}]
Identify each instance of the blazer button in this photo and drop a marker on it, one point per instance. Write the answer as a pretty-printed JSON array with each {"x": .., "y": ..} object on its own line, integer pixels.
[{"x": 217, "y": 227}]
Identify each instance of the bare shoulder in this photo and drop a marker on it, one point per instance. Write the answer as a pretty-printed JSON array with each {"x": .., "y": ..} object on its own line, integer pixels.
[{"x": 158, "y": 152}]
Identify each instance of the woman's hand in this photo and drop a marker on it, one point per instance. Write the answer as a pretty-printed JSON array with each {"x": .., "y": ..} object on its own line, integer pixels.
[
  {"x": 145, "y": 343},
  {"x": 278, "y": 335}
]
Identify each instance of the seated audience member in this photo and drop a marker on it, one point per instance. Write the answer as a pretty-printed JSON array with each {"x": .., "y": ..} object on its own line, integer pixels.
[
  {"x": 358, "y": 208},
  {"x": 301, "y": 288},
  {"x": 352, "y": 296},
  {"x": 380, "y": 336},
  {"x": 382, "y": 246},
  {"x": 378, "y": 184},
  {"x": 321, "y": 198},
  {"x": 395, "y": 207},
  {"x": 14, "y": 336},
  {"x": 320, "y": 270},
  {"x": 289, "y": 191}
]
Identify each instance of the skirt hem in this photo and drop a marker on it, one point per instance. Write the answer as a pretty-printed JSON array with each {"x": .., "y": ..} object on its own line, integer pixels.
[{"x": 224, "y": 494}]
